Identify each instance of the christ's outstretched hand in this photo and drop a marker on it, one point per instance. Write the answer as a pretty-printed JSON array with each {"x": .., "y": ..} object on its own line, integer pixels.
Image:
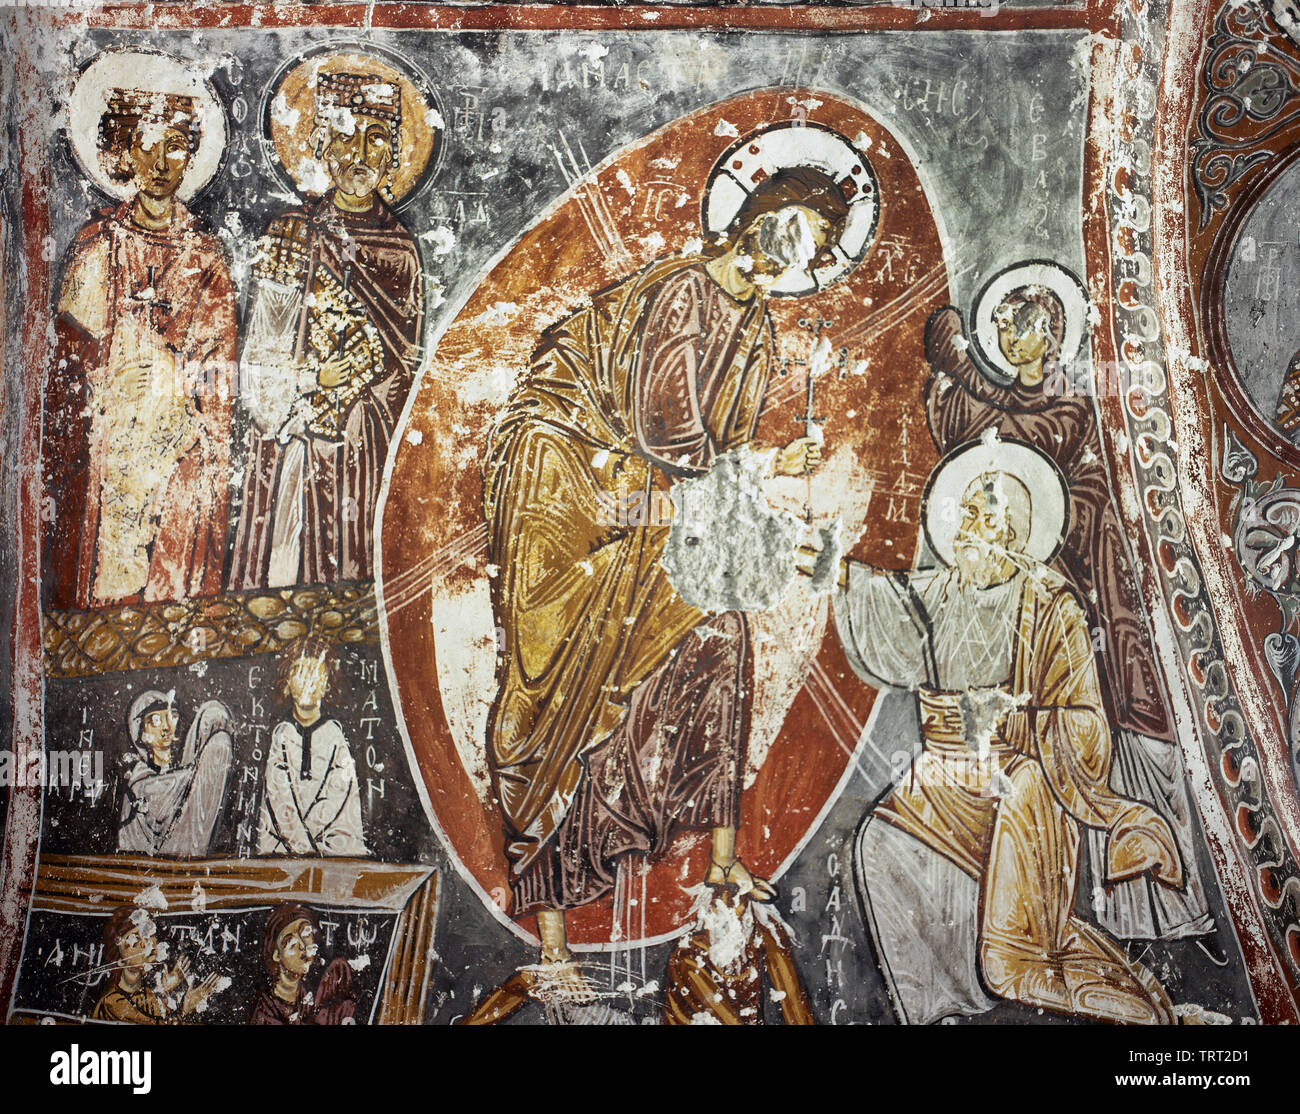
[{"x": 805, "y": 562}]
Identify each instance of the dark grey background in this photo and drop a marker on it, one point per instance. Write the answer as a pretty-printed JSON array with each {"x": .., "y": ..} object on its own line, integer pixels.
[
  {"x": 1261, "y": 295},
  {"x": 63, "y": 953}
]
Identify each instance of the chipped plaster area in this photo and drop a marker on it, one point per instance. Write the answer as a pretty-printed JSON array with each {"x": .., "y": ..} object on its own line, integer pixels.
[
  {"x": 464, "y": 633},
  {"x": 787, "y": 633},
  {"x": 729, "y": 549},
  {"x": 981, "y": 711},
  {"x": 786, "y": 641},
  {"x": 729, "y": 926},
  {"x": 729, "y": 929},
  {"x": 830, "y": 547},
  {"x": 151, "y": 898}
]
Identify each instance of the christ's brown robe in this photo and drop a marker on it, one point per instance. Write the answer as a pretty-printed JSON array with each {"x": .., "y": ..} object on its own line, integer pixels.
[{"x": 620, "y": 715}]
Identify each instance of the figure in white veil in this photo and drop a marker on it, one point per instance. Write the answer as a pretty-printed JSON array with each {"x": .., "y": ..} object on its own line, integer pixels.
[{"x": 170, "y": 803}]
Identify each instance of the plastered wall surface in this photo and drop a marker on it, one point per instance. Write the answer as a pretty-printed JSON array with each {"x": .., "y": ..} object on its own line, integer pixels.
[{"x": 650, "y": 515}]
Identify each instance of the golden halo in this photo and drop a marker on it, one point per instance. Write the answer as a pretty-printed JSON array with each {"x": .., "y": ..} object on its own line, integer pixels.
[
  {"x": 289, "y": 119},
  {"x": 1064, "y": 283},
  {"x": 753, "y": 158}
]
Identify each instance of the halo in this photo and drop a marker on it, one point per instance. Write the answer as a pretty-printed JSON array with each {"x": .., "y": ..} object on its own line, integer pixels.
[
  {"x": 289, "y": 119},
  {"x": 1060, "y": 281},
  {"x": 757, "y": 156},
  {"x": 154, "y": 72},
  {"x": 1048, "y": 493}
]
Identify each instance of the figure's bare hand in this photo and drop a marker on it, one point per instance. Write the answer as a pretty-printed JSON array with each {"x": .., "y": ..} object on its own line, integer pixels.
[
  {"x": 173, "y": 978},
  {"x": 805, "y": 559},
  {"x": 133, "y": 379},
  {"x": 798, "y": 458},
  {"x": 200, "y": 993},
  {"x": 333, "y": 372}
]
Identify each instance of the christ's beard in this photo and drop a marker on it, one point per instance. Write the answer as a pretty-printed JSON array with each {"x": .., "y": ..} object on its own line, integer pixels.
[{"x": 358, "y": 180}]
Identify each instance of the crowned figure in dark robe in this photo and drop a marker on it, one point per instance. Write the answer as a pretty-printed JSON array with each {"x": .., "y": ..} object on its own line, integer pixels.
[{"x": 330, "y": 355}]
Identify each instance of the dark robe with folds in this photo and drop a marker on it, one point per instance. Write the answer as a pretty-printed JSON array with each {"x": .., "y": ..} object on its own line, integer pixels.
[
  {"x": 622, "y": 712},
  {"x": 332, "y": 1004},
  {"x": 162, "y": 297},
  {"x": 373, "y": 256}
]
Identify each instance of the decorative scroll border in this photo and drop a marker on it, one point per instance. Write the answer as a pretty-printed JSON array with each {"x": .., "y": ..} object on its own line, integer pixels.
[
  {"x": 1249, "y": 81},
  {"x": 1236, "y": 761}
]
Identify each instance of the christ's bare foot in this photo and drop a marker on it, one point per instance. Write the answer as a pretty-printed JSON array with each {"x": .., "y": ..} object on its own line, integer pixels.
[
  {"x": 558, "y": 976},
  {"x": 738, "y": 875}
]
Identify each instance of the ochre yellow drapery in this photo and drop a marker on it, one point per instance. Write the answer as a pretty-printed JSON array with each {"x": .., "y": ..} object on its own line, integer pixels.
[
  {"x": 1022, "y": 843},
  {"x": 585, "y": 608}
]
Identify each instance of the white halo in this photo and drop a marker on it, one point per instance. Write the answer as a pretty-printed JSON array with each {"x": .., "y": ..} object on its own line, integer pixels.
[
  {"x": 1048, "y": 494},
  {"x": 761, "y": 154},
  {"x": 1034, "y": 272},
  {"x": 154, "y": 73}
]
